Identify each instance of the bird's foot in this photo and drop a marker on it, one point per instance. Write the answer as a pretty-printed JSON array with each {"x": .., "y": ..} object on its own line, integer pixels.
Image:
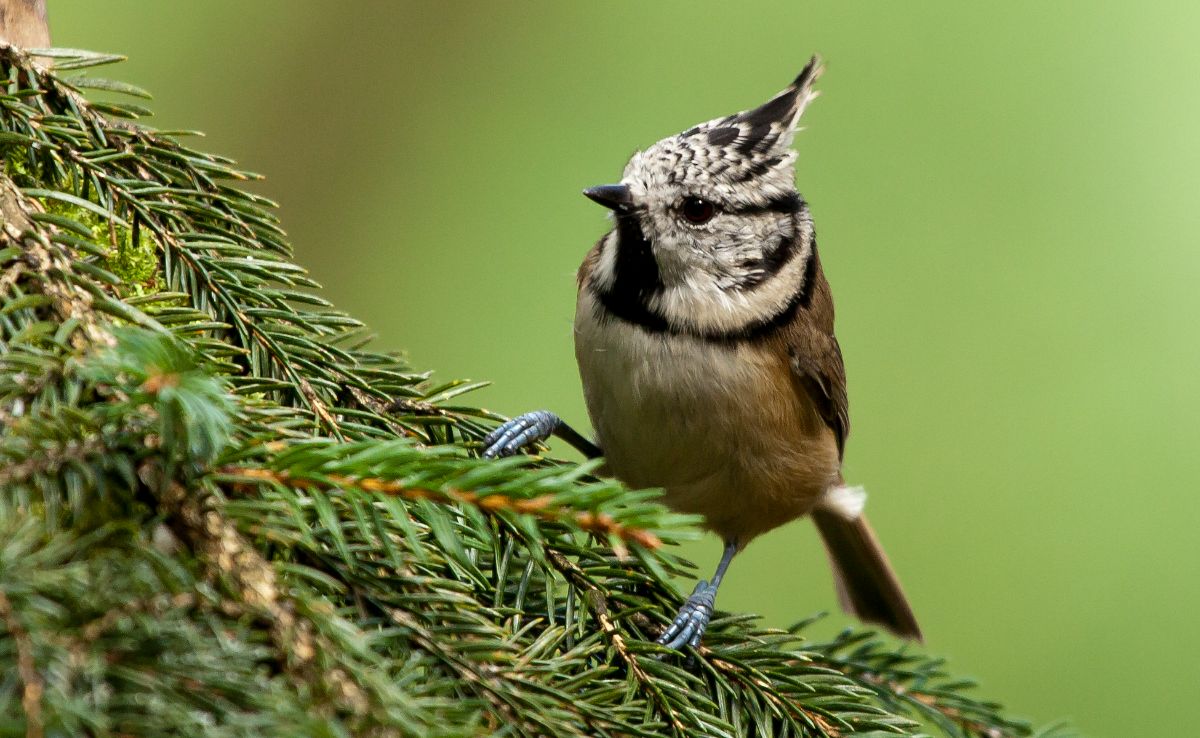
[
  {"x": 689, "y": 625},
  {"x": 511, "y": 436}
]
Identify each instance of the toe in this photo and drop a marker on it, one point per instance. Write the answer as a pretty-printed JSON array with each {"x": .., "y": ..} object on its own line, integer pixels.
[
  {"x": 495, "y": 443},
  {"x": 513, "y": 435},
  {"x": 668, "y": 635},
  {"x": 499, "y": 441},
  {"x": 691, "y": 622},
  {"x": 684, "y": 636}
]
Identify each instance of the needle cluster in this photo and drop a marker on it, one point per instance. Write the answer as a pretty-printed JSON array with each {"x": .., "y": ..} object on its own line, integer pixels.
[{"x": 222, "y": 513}]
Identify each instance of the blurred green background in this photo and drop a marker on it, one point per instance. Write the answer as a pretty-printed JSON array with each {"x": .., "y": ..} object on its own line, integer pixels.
[{"x": 1007, "y": 202}]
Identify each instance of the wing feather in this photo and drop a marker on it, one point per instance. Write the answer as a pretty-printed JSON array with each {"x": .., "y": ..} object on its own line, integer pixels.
[{"x": 818, "y": 368}]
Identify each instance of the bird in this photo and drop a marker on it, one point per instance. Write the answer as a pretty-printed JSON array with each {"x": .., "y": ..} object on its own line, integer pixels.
[{"x": 704, "y": 335}]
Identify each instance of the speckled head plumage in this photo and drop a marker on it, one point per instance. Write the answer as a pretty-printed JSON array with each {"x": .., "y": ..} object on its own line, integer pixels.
[
  {"x": 743, "y": 159},
  {"x": 710, "y": 233}
]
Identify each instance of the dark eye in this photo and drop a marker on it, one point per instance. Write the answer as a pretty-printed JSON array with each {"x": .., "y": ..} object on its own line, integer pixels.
[{"x": 697, "y": 210}]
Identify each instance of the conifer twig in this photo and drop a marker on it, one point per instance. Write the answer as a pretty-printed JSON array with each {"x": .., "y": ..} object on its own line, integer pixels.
[
  {"x": 164, "y": 362},
  {"x": 539, "y": 507},
  {"x": 17, "y": 214},
  {"x": 32, "y": 686}
]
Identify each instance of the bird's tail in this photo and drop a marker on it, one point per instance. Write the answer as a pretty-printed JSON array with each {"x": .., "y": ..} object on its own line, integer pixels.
[{"x": 866, "y": 585}]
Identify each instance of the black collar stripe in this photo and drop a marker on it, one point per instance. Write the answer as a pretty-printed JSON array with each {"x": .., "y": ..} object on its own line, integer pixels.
[{"x": 640, "y": 314}]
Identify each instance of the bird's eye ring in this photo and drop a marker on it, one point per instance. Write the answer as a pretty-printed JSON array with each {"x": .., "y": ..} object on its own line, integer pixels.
[{"x": 697, "y": 210}]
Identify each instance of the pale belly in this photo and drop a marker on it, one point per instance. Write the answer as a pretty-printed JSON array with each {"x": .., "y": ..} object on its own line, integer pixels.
[{"x": 719, "y": 427}]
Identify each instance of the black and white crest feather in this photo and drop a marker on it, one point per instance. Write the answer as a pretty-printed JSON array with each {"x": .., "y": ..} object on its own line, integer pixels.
[{"x": 744, "y": 268}]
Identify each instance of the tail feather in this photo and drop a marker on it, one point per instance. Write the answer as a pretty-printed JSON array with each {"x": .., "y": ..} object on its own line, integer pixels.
[{"x": 866, "y": 585}]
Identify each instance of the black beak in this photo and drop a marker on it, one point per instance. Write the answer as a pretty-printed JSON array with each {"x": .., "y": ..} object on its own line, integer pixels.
[{"x": 614, "y": 197}]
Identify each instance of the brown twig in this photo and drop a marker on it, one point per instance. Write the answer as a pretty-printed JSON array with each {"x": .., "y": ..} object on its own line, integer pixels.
[
  {"x": 23, "y": 23},
  {"x": 898, "y": 690},
  {"x": 932, "y": 702},
  {"x": 381, "y": 409},
  {"x": 230, "y": 557},
  {"x": 599, "y": 603},
  {"x": 31, "y": 693},
  {"x": 45, "y": 260},
  {"x": 157, "y": 605},
  {"x": 73, "y": 302},
  {"x": 760, "y": 685},
  {"x": 417, "y": 407},
  {"x": 539, "y": 507},
  {"x": 51, "y": 459},
  {"x": 318, "y": 405}
]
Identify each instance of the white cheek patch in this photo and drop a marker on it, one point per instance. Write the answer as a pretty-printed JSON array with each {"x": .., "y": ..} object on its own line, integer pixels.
[
  {"x": 605, "y": 273},
  {"x": 700, "y": 302}
]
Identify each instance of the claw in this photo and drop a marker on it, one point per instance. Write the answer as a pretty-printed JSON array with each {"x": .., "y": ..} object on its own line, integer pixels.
[
  {"x": 510, "y": 437},
  {"x": 689, "y": 625}
]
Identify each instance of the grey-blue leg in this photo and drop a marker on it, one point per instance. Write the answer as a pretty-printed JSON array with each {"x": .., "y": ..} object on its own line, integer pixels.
[
  {"x": 513, "y": 435},
  {"x": 689, "y": 625}
]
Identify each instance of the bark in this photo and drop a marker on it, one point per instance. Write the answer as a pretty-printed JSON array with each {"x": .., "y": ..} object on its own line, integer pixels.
[{"x": 23, "y": 23}]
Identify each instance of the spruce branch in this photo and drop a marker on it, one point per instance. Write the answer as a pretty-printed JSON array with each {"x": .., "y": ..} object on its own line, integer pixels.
[
  {"x": 541, "y": 507},
  {"x": 919, "y": 685},
  {"x": 339, "y": 562},
  {"x": 32, "y": 685}
]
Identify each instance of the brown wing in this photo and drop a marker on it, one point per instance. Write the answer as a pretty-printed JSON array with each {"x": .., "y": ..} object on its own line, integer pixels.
[
  {"x": 817, "y": 365},
  {"x": 816, "y": 358}
]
